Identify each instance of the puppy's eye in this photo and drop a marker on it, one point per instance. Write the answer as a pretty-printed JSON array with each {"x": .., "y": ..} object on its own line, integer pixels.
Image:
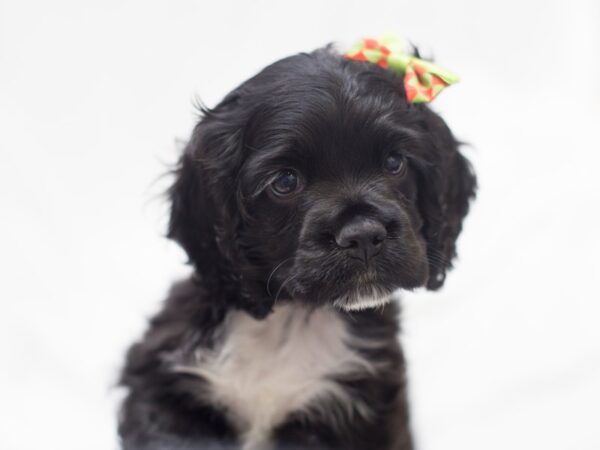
[
  {"x": 285, "y": 183},
  {"x": 395, "y": 163}
]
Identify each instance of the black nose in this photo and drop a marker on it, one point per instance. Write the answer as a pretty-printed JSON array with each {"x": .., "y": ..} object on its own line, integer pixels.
[{"x": 362, "y": 238}]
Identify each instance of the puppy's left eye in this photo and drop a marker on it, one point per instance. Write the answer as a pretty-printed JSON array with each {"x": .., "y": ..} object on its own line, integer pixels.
[
  {"x": 395, "y": 163},
  {"x": 285, "y": 183}
]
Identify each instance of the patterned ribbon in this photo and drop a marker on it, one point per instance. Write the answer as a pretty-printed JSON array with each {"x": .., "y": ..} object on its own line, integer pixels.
[{"x": 423, "y": 80}]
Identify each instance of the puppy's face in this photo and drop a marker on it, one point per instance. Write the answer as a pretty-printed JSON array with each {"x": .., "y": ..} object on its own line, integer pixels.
[
  {"x": 333, "y": 202},
  {"x": 324, "y": 185}
]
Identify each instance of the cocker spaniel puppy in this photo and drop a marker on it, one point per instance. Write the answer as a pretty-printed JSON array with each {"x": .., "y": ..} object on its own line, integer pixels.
[{"x": 305, "y": 199}]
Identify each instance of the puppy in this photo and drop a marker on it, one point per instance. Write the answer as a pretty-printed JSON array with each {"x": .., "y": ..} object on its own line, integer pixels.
[{"x": 304, "y": 200}]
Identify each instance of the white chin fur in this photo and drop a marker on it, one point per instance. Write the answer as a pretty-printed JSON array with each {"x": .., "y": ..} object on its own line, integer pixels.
[{"x": 358, "y": 302}]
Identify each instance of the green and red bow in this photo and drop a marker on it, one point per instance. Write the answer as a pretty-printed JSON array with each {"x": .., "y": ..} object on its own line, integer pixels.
[{"x": 423, "y": 80}]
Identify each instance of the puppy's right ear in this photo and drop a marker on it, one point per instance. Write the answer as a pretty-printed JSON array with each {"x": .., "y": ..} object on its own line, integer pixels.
[
  {"x": 201, "y": 196},
  {"x": 191, "y": 224}
]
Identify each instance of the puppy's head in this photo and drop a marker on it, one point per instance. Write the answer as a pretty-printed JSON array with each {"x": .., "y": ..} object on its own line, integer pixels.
[{"x": 317, "y": 181}]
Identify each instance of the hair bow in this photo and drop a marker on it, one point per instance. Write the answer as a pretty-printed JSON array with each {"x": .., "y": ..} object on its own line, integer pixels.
[{"x": 423, "y": 80}]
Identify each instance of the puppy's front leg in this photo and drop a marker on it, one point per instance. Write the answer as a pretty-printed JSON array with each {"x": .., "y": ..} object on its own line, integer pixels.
[
  {"x": 297, "y": 434},
  {"x": 158, "y": 424},
  {"x": 300, "y": 435}
]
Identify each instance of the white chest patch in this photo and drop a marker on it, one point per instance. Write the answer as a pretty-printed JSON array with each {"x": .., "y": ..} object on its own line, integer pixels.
[{"x": 263, "y": 370}]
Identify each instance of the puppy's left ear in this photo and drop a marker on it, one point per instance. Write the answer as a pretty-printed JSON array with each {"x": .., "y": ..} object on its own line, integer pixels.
[{"x": 446, "y": 187}]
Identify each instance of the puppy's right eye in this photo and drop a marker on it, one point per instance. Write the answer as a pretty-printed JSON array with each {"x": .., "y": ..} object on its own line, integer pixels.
[
  {"x": 285, "y": 183},
  {"x": 395, "y": 164}
]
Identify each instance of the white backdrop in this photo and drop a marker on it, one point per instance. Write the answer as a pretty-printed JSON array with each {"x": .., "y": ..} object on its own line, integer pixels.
[{"x": 93, "y": 97}]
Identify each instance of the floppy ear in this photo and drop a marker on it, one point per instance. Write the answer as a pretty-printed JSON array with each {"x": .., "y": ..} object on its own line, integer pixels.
[
  {"x": 446, "y": 187},
  {"x": 207, "y": 165},
  {"x": 191, "y": 223},
  {"x": 205, "y": 210}
]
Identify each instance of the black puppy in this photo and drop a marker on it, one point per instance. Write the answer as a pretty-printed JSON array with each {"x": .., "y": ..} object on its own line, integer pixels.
[{"x": 304, "y": 200}]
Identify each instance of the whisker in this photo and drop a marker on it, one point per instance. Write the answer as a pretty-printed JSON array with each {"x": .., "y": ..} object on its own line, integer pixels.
[
  {"x": 273, "y": 273},
  {"x": 288, "y": 279}
]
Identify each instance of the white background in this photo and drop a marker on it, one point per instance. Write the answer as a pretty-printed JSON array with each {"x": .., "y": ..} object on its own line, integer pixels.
[{"x": 94, "y": 96}]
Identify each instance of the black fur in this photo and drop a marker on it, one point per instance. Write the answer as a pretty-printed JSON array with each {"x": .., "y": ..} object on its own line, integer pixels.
[{"x": 334, "y": 121}]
